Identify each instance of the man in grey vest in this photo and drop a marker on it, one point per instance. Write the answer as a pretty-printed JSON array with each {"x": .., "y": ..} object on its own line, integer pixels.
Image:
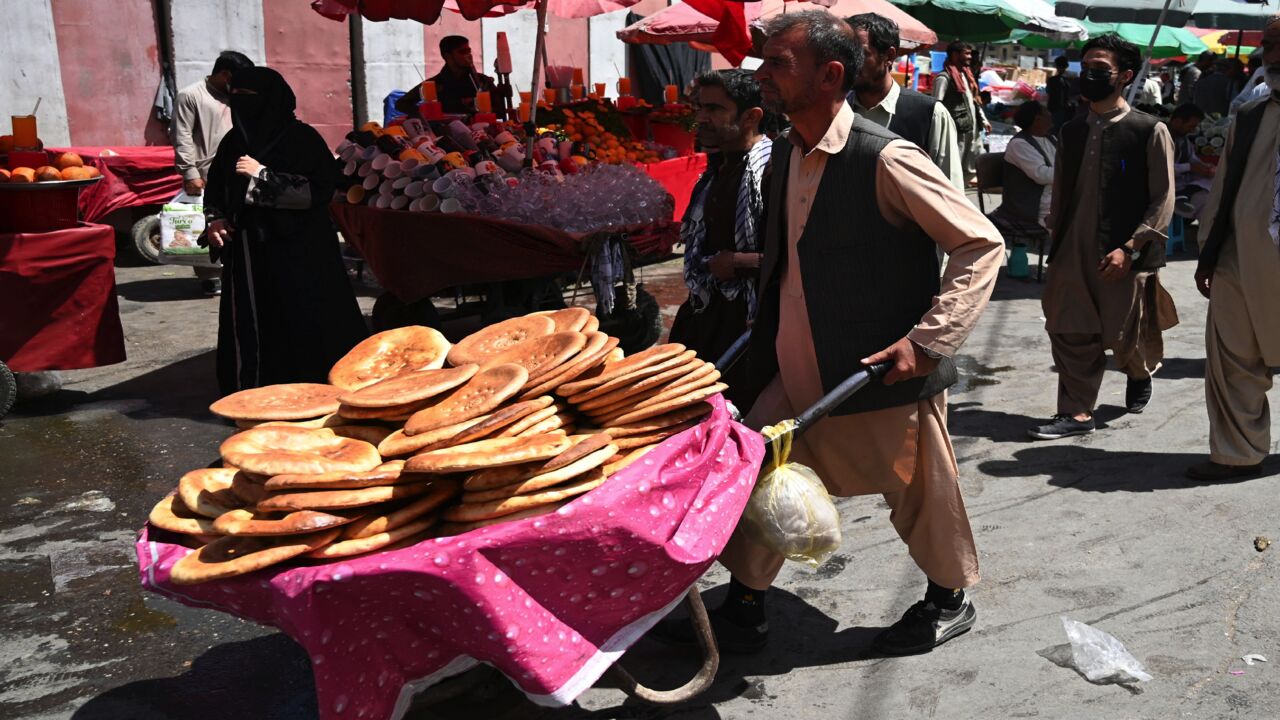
[
  {"x": 913, "y": 116},
  {"x": 1112, "y": 201},
  {"x": 958, "y": 91},
  {"x": 850, "y": 277},
  {"x": 1239, "y": 271}
]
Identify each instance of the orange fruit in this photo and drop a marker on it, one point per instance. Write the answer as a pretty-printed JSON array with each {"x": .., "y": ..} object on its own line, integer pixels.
[
  {"x": 4, "y": 175},
  {"x": 46, "y": 173},
  {"x": 91, "y": 172},
  {"x": 23, "y": 175},
  {"x": 74, "y": 173},
  {"x": 65, "y": 160}
]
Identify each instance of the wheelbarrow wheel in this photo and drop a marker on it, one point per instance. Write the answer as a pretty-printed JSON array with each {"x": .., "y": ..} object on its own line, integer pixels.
[
  {"x": 636, "y": 327},
  {"x": 8, "y": 390},
  {"x": 146, "y": 238}
]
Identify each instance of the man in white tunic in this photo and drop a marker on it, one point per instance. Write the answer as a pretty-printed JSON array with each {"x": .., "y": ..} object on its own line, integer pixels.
[{"x": 1239, "y": 271}]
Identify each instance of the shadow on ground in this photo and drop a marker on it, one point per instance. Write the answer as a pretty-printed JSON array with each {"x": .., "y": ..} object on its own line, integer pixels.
[
  {"x": 182, "y": 286},
  {"x": 266, "y": 678},
  {"x": 1088, "y": 469}
]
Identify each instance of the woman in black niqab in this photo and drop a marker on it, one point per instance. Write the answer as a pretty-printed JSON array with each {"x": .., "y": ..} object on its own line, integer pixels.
[{"x": 287, "y": 311}]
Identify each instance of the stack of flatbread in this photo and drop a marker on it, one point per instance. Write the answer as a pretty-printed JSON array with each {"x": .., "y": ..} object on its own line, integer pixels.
[{"x": 414, "y": 438}]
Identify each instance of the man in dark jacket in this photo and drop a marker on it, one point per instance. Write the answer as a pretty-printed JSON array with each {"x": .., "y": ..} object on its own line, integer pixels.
[
  {"x": 853, "y": 217},
  {"x": 1112, "y": 201},
  {"x": 911, "y": 115},
  {"x": 457, "y": 82}
]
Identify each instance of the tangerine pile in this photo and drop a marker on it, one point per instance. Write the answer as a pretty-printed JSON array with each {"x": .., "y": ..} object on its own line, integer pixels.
[
  {"x": 582, "y": 126},
  {"x": 66, "y": 166}
]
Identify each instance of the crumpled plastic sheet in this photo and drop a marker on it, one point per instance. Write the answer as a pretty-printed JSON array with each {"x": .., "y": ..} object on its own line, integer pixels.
[
  {"x": 550, "y": 601},
  {"x": 1097, "y": 656}
]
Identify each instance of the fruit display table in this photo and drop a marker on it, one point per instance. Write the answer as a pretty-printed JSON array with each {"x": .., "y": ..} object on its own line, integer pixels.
[
  {"x": 57, "y": 289},
  {"x": 131, "y": 177}
]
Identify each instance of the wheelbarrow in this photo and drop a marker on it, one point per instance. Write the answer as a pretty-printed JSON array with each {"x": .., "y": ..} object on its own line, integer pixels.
[{"x": 8, "y": 390}]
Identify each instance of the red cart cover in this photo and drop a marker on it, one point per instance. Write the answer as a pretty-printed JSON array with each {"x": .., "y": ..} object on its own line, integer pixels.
[
  {"x": 550, "y": 601},
  {"x": 415, "y": 255},
  {"x": 58, "y": 307},
  {"x": 133, "y": 176}
]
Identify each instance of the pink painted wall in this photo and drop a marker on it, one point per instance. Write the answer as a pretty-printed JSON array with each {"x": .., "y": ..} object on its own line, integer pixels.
[
  {"x": 314, "y": 55},
  {"x": 110, "y": 71},
  {"x": 567, "y": 42},
  {"x": 451, "y": 23}
]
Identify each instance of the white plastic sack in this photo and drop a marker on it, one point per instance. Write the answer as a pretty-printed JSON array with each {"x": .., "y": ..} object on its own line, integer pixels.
[
  {"x": 790, "y": 511},
  {"x": 1100, "y": 657},
  {"x": 181, "y": 224}
]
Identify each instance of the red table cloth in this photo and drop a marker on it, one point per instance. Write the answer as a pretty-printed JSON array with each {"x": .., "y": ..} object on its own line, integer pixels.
[
  {"x": 58, "y": 307},
  {"x": 134, "y": 176},
  {"x": 550, "y": 601},
  {"x": 415, "y": 255}
]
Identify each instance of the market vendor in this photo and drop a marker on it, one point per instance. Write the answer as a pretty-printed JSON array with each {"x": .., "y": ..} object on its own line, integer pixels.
[
  {"x": 456, "y": 84},
  {"x": 837, "y": 295},
  {"x": 720, "y": 230},
  {"x": 956, "y": 88}
]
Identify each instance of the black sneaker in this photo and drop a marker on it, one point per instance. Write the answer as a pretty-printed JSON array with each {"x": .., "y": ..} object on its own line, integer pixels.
[
  {"x": 1137, "y": 393},
  {"x": 1062, "y": 426},
  {"x": 924, "y": 627},
  {"x": 730, "y": 636},
  {"x": 211, "y": 288}
]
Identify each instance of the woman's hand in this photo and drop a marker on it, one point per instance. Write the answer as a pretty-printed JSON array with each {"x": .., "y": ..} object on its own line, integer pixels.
[
  {"x": 218, "y": 232},
  {"x": 248, "y": 167}
]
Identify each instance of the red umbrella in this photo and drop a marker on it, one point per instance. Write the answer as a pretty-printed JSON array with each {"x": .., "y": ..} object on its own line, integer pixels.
[
  {"x": 428, "y": 11},
  {"x": 682, "y": 23}
]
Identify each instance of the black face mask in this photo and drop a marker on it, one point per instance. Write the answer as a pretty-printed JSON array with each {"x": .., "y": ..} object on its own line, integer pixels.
[
  {"x": 247, "y": 106},
  {"x": 1095, "y": 84}
]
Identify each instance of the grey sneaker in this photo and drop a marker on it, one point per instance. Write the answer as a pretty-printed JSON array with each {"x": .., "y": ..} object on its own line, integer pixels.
[
  {"x": 1061, "y": 426},
  {"x": 924, "y": 627}
]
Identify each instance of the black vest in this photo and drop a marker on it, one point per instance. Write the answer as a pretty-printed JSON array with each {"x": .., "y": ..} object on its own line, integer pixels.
[
  {"x": 866, "y": 282},
  {"x": 1022, "y": 194},
  {"x": 1248, "y": 120},
  {"x": 959, "y": 105},
  {"x": 913, "y": 117},
  {"x": 1123, "y": 189}
]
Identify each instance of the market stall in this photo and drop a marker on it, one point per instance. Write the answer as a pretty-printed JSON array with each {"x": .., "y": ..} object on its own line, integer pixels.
[
  {"x": 131, "y": 177},
  {"x": 57, "y": 277}
]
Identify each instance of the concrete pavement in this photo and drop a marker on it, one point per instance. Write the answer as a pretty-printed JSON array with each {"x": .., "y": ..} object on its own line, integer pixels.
[{"x": 1102, "y": 529}]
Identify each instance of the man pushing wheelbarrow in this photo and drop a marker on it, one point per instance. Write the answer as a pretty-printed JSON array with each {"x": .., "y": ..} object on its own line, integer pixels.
[{"x": 850, "y": 277}]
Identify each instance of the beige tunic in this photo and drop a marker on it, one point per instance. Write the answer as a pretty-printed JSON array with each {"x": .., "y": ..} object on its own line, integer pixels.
[
  {"x": 902, "y": 452},
  {"x": 201, "y": 118},
  {"x": 1242, "y": 334}
]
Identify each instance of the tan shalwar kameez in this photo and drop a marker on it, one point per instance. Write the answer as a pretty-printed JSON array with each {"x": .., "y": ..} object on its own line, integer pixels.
[
  {"x": 1242, "y": 333},
  {"x": 1086, "y": 315},
  {"x": 902, "y": 452}
]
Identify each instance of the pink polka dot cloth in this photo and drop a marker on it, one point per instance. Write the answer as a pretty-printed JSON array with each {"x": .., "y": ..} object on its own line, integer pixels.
[{"x": 550, "y": 601}]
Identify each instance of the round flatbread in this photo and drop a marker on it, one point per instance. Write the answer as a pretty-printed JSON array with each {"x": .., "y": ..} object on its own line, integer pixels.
[
  {"x": 576, "y": 469},
  {"x": 457, "y": 528},
  {"x": 378, "y": 541},
  {"x": 388, "y": 354},
  {"x": 351, "y": 412},
  {"x": 571, "y": 319},
  {"x": 339, "y": 499},
  {"x": 410, "y": 387},
  {"x": 501, "y": 418},
  {"x": 691, "y": 398},
  {"x": 231, "y": 556},
  {"x": 329, "y": 420},
  {"x": 583, "y": 445},
  {"x": 291, "y": 450},
  {"x": 592, "y": 356},
  {"x": 644, "y": 358},
  {"x": 593, "y": 325},
  {"x": 398, "y": 444},
  {"x": 488, "y": 453},
  {"x": 487, "y": 342},
  {"x": 490, "y": 478},
  {"x": 471, "y": 512},
  {"x": 385, "y": 474},
  {"x": 207, "y": 491},
  {"x": 654, "y": 424},
  {"x": 530, "y": 420},
  {"x": 541, "y": 355},
  {"x": 248, "y": 522},
  {"x": 635, "y": 441},
  {"x": 248, "y": 487},
  {"x": 699, "y": 378},
  {"x": 370, "y": 525},
  {"x": 372, "y": 434},
  {"x": 172, "y": 515},
  {"x": 613, "y": 467},
  {"x": 563, "y": 422},
  {"x": 291, "y": 401},
  {"x": 640, "y": 379},
  {"x": 481, "y": 394}
]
